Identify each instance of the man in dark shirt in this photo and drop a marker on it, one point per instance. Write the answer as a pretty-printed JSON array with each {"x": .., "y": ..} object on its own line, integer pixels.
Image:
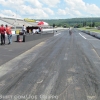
[{"x": 2, "y": 32}]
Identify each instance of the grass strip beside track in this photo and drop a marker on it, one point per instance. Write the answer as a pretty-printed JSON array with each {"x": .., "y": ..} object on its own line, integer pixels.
[{"x": 90, "y": 29}]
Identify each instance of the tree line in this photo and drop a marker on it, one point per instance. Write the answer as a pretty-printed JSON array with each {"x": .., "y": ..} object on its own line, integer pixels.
[{"x": 74, "y": 22}]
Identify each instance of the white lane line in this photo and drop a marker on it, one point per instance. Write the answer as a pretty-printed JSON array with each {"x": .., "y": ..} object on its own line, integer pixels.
[
  {"x": 96, "y": 53},
  {"x": 57, "y": 34},
  {"x": 40, "y": 82},
  {"x": 91, "y": 97},
  {"x": 82, "y": 36}
]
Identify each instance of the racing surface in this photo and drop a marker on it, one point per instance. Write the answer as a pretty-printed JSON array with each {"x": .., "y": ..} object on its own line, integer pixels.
[
  {"x": 64, "y": 67},
  {"x": 8, "y": 52}
]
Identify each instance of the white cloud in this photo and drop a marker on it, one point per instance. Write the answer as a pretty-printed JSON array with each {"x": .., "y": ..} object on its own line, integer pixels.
[
  {"x": 9, "y": 13},
  {"x": 40, "y": 13},
  {"x": 62, "y": 12},
  {"x": 11, "y": 3},
  {"x": 48, "y": 11},
  {"x": 78, "y": 8},
  {"x": 21, "y": 8},
  {"x": 76, "y": 4},
  {"x": 93, "y": 9},
  {"x": 69, "y": 12},
  {"x": 50, "y": 3},
  {"x": 35, "y": 3},
  {"x": 33, "y": 12},
  {"x": 48, "y": 8}
]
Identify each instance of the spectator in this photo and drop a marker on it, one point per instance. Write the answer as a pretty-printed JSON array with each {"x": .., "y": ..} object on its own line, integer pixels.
[
  {"x": 23, "y": 29},
  {"x": 70, "y": 31},
  {"x": 2, "y": 32},
  {"x": 9, "y": 33},
  {"x": 27, "y": 28},
  {"x": 34, "y": 31},
  {"x": 37, "y": 31},
  {"x": 40, "y": 29}
]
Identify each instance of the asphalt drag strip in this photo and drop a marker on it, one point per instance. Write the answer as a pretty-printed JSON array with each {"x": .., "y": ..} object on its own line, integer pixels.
[{"x": 64, "y": 67}]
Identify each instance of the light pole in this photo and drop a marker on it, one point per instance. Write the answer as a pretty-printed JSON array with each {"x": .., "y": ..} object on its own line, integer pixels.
[
  {"x": 15, "y": 20},
  {"x": 91, "y": 20}
]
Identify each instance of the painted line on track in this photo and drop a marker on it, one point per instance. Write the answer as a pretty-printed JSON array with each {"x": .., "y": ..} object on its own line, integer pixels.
[
  {"x": 57, "y": 34},
  {"x": 96, "y": 53},
  {"x": 82, "y": 36}
]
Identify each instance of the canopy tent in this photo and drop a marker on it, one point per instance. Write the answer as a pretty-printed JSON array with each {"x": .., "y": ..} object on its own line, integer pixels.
[{"x": 42, "y": 23}]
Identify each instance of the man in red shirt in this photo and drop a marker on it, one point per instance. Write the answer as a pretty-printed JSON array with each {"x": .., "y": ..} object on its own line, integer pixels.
[
  {"x": 2, "y": 32},
  {"x": 9, "y": 33}
]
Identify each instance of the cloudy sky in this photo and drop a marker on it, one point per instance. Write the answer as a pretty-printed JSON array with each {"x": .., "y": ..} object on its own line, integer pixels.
[{"x": 49, "y": 9}]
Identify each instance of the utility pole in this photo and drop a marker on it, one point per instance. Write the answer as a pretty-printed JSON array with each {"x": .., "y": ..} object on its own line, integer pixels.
[
  {"x": 91, "y": 20},
  {"x": 15, "y": 20}
]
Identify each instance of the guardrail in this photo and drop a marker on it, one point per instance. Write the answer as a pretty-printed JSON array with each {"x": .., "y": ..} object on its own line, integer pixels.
[{"x": 94, "y": 34}]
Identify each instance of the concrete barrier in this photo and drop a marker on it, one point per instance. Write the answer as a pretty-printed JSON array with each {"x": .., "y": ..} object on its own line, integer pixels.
[
  {"x": 31, "y": 37},
  {"x": 91, "y": 33},
  {"x": 88, "y": 32},
  {"x": 95, "y": 34}
]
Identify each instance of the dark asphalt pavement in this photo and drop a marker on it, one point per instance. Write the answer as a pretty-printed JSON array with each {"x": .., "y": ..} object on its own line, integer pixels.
[
  {"x": 8, "y": 52},
  {"x": 63, "y": 67}
]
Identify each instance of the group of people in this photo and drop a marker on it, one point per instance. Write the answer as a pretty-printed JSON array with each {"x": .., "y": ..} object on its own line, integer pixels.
[
  {"x": 33, "y": 29},
  {"x": 3, "y": 31}
]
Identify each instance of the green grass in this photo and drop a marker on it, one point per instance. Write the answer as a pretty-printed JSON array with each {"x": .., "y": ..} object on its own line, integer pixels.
[{"x": 89, "y": 29}]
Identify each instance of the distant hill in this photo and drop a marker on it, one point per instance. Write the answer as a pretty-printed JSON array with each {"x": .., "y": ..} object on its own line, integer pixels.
[{"x": 71, "y": 22}]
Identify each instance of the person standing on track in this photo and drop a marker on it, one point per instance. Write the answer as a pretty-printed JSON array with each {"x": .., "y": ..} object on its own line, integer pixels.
[
  {"x": 9, "y": 33},
  {"x": 2, "y": 32},
  {"x": 70, "y": 31},
  {"x": 24, "y": 30}
]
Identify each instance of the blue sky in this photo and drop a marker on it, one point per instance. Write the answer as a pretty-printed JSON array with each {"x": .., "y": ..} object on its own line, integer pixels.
[
  {"x": 49, "y": 9},
  {"x": 96, "y": 2}
]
